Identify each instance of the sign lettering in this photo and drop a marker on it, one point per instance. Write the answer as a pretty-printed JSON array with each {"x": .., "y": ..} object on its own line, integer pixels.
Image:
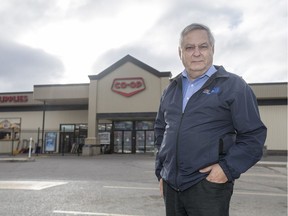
[
  {"x": 14, "y": 99},
  {"x": 128, "y": 86}
]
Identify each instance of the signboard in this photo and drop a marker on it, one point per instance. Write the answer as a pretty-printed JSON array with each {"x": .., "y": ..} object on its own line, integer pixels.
[
  {"x": 50, "y": 141},
  {"x": 104, "y": 138},
  {"x": 10, "y": 129},
  {"x": 13, "y": 99},
  {"x": 128, "y": 86}
]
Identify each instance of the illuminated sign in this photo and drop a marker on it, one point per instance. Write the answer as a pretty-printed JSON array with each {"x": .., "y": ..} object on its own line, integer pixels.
[
  {"x": 128, "y": 86},
  {"x": 14, "y": 99}
]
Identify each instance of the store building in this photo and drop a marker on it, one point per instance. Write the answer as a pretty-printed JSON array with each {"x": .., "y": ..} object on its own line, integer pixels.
[{"x": 114, "y": 113}]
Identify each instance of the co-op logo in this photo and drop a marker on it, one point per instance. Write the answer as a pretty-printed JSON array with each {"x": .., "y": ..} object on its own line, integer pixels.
[{"x": 128, "y": 86}]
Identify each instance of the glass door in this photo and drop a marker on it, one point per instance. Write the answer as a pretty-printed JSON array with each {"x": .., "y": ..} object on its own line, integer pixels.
[
  {"x": 127, "y": 142},
  {"x": 66, "y": 142},
  {"x": 133, "y": 136},
  {"x": 149, "y": 141},
  {"x": 144, "y": 141},
  {"x": 140, "y": 141},
  {"x": 118, "y": 141},
  {"x": 122, "y": 142}
]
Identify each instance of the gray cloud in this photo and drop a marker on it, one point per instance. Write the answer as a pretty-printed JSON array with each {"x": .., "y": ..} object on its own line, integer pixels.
[
  {"x": 158, "y": 47},
  {"x": 182, "y": 13},
  {"x": 18, "y": 16},
  {"x": 21, "y": 65},
  {"x": 250, "y": 36},
  {"x": 91, "y": 9},
  {"x": 140, "y": 52}
]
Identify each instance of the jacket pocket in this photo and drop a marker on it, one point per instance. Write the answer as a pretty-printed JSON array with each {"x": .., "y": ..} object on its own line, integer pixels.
[
  {"x": 217, "y": 186},
  {"x": 225, "y": 143}
]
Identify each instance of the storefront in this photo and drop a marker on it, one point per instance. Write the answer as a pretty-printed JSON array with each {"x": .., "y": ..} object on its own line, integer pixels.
[
  {"x": 127, "y": 137},
  {"x": 114, "y": 113}
]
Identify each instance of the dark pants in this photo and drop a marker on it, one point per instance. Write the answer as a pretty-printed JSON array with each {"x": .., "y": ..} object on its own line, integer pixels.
[{"x": 203, "y": 199}]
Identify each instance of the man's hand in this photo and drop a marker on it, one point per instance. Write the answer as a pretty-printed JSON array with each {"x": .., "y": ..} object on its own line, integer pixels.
[
  {"x": 216, "y": 174},
  {"x": 161, "y": 187}
]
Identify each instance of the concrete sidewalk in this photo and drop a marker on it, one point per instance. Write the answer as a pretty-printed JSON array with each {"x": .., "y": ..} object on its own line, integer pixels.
[
  {"x": 273, "y": 160},
  {"x": 268, "y": 160},
  {"x": 16, "y": 159}
]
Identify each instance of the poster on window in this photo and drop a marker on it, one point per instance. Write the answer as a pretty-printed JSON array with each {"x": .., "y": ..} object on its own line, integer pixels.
[
  {"x": 50, "y": 141},
  {"x": 104, "y": 138},
  {"x": 10, "y": 129}
]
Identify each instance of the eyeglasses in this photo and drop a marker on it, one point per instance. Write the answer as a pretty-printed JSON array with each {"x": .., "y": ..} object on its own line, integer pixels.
[{"x": 190, "y": 49}]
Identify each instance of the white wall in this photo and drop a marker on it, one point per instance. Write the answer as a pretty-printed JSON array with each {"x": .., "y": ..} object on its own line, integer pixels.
[{"x": 275, "y": 119}]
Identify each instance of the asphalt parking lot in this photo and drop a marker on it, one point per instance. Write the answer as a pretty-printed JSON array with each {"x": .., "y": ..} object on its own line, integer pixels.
[{"x": 119, "y": 185}]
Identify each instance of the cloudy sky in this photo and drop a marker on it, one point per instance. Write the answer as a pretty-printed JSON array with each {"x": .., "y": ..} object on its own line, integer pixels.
[{"x": 64, "y": 41}]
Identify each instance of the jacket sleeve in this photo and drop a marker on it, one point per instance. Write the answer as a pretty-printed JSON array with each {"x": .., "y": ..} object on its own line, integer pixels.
[
  {"x": 250, "y": 134},
  {"x": 159, "y": 129}
]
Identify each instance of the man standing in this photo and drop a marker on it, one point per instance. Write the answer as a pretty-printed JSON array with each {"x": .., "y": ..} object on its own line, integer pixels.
[{"x": 208, "y": 131}]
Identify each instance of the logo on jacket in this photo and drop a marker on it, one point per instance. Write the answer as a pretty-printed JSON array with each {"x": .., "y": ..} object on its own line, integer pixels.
[{"x": 214, "y": 90}]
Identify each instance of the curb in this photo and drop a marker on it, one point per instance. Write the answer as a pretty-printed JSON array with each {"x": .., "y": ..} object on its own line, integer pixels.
[
  {"x": 17, "y": 159},
  {"x": 271, "y": 164}
]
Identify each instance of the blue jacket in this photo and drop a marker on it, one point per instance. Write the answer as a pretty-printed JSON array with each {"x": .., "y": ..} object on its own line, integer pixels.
[{"x": 220, "y": 124}]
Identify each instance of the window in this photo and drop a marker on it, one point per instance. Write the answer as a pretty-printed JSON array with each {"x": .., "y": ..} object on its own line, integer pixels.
[
  {"x": 123, "y": 125},
  {"x": 104, "y": 127},
  {"x": 144, "y": 125}
]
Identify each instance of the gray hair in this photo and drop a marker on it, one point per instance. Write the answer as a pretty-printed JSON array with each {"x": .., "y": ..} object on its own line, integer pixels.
[{"x": 197, "y": 26}]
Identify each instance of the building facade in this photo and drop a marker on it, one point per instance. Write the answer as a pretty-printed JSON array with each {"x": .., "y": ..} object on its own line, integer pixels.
[{"x": 114, "y": 113}]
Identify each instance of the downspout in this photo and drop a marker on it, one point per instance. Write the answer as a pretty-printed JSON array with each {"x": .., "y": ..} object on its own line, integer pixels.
[{"x": 43, "y": 125}]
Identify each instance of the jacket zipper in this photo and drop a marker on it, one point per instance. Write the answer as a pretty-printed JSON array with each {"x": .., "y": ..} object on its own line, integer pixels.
[{"x": 208, "y": 83}]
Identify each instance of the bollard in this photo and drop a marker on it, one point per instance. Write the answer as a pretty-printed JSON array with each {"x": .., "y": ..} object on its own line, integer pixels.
[{"x": 30, "y": 146}]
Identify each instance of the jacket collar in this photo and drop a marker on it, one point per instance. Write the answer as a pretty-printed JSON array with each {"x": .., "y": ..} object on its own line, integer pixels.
[{"x": 221, "y": 72}]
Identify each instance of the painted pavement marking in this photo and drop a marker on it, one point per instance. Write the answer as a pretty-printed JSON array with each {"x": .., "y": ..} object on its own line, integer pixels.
[
  {"x": 131, "y": 188},
  {"x": 234, "y": 192},
  {"x": 88, "y": 213},
  {"x": 29, "y": 185},
  {"x": 265, "y": 175},
  {"x": 259, "y": 193}
]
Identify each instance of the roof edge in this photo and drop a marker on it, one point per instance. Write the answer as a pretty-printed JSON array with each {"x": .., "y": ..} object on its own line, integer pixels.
[
  {"x": 129, "y": 58},
  {"x": 20, "y": 92},
  {"x": 60, "y": 85},
  {"x": 269, "y": 83}
]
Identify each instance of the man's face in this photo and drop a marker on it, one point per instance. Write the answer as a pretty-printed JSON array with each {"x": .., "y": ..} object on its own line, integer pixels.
[{"x": 196, "y": 53}]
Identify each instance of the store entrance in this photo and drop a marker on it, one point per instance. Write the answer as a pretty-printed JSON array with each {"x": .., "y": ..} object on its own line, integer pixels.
[
  {"x": 66, "y": 142},
  {"x": 144, "y": 141},
  {"x": 123, "y": 142},
  {"x": 133, "y": 137},
  {"x": 72, "y": 137}
]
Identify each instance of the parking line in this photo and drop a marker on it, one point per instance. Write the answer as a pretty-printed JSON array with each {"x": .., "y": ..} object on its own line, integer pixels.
[
  {"x": 133, "y": 188},
  {"x": 29, "y": 185},
  {"x": 88, "y": 213},
  {"x": 265, "y": 175},
  {"x": 259, "y": 194},
  {"x": 234, "y": 192}
]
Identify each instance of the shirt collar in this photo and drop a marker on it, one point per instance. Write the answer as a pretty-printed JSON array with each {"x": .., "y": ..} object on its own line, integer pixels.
[{"x": 208, "y": 73}]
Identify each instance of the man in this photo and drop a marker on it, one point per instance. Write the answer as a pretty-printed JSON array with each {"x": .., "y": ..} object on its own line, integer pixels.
[{"x": 208, "y": 131}]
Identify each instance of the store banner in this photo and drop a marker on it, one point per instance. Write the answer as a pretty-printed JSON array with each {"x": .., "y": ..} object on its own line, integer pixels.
[{"x": 10, "y": 129}]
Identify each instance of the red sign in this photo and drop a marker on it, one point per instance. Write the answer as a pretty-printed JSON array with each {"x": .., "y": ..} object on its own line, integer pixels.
[
  {"x": 14, "y": 99},
  {"x": 128, "y": 86}
]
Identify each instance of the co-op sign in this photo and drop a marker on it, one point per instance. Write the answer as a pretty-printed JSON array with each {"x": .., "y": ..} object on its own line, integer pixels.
[{"x": 128, "y": 86}]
